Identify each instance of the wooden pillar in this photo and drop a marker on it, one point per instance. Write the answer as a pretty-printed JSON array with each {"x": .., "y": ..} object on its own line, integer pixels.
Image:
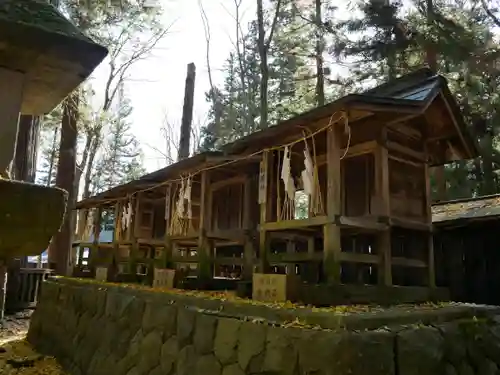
[
  {"x": 331, "y": 232},
  {"x": 384, "y": 238},
  {"x": 248, "y": 246},
  {"x": 265, "y": 202},
  {"x": 96, "y": 231},
  {"x": 117, "y": 229},
  {"x": 204, "y": 246},
  {"x": 167, "y": 252},
  {"x": 133, "y": 233},
  {"x": 431, "y": 271},
  {"x": 117, "y": 232}
]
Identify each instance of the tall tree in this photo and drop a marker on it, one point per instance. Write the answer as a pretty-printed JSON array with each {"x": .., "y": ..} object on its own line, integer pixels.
[
  {"x": 121, "y": 157},
  {"x": 263, "y": 45}
]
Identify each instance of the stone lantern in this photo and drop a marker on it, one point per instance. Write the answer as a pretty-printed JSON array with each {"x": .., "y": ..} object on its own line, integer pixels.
[{"x": 43, "y": 58}]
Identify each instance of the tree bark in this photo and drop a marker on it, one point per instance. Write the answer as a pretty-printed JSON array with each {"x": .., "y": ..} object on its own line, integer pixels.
[
  {"x": 24, "y": 167},
  {"x": 187, "y": 113},
  {"x": 264, "y": 71},
  {"x": 60, "y": 248},
  {"x": 263, "y": 48},
  {"x": 320, "y": 80},
  {"x": 53, "y": 154},
  {"x": 26, "y": 148}
]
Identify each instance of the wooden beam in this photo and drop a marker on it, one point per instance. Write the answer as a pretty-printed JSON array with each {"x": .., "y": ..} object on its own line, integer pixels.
[
  {"x": 384, "y": 238},
  {"x": 405, "y": 129},
  {"x": 430, "y": 239},
  {"x": 296, "y": 224},
  {"x": 216, "y": 185},
  {"x": 359, "y": 258},
  {"x": 420, "y": 156},
  {"x": 406, "y": 161},
  {"x": 248, "y": 246},
  {"x": 264, "y": 197},
  {"x": 403, "y": 222},
  {"x": 235, "y": 158},
  {"x": 356, "y": 150},
  {"x": 407, "y": 262},
  {"x": 204, "y": 247},
  {"x": 455, "y": 124},
  {"x": 331, "y": 232},
  {"x": 117, "y": 230},
  {"x": 366, "y": 223}
]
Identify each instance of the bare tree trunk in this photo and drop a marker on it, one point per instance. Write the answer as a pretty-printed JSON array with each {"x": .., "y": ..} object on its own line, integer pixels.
[
  {"x": 263, "y": 48},
  {"x": 60, "y": 248},
  {"x": 53, "y": 154},
  {"x": 431, "y": 60},
  {"x": 320, "y": 46},
  {"x": 187, "y": 113},
  {"x": 26, "y": 155},
  {"x": 26, "y": 148},
  {"x": 264, "y": 71},
  {"x": 241, "y": 53}
]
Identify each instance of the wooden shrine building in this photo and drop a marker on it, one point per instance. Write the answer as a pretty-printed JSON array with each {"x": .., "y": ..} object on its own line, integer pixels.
[
  {"x": 338, "y": 195},
  {"x": 465, "y": 242}
]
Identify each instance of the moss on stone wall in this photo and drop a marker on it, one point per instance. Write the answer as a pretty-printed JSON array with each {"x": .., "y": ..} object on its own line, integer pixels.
[{"x": 96, "y": 329}]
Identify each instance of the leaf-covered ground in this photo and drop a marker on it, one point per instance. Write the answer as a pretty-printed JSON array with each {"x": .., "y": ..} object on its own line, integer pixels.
[
  {"x": 14, "y": 326},
  {"x": 231, "y": 296},
  {"x": 18, "y": 358}
]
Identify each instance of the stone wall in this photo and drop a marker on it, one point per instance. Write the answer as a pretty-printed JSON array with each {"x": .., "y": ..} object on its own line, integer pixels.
[{"x": 101, "y": 329}]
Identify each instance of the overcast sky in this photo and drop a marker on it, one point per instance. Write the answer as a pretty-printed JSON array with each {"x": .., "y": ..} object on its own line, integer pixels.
[{"x": 156, "y": 85}]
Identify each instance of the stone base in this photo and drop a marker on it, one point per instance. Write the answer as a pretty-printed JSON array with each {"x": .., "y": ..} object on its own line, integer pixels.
[
  {"x": 123, "y": 331},
  {"x": 29, "y": 216}
]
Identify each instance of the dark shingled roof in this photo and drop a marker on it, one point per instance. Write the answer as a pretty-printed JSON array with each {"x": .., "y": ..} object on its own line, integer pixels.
[
  {"x": 39, "y": 14},
  {"x": 486, "y": 207}
]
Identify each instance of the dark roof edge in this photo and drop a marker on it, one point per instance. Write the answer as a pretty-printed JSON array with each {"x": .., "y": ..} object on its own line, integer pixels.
[
  {"x": 149, "y": 177},
  {"x": 464, "y": 200},
  {"x": 416, "y": 77},
  {"x": 457, "y": 113}
]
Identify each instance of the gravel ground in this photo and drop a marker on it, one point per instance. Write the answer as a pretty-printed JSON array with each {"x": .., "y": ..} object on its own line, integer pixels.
[{"x": 15, "y": 326}]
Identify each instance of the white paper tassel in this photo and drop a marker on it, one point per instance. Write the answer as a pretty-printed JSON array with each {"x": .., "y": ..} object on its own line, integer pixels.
[
  {"x": 127, "y": 216},
  {"x": 308, "y": 173},
  {"x": 286, "y": 175}
]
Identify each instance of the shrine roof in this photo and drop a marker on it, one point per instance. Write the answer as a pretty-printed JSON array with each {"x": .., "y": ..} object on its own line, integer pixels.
[
  {"x": 485, "y": 207},
  {"x": 39, "y": 14},
  {"x": 409, "y": 94}
]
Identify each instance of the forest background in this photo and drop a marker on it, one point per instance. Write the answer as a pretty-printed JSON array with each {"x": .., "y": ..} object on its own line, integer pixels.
[{"x": 283, "y": 57}]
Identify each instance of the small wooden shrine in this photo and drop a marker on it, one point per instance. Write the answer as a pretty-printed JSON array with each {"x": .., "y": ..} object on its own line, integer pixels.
[
  {"x": 465, "y": 242},
  {"x": 336, "y": 196}
]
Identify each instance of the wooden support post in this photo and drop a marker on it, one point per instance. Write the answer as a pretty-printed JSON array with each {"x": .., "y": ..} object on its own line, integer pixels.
[
  {"x": 248, "y": 246},
  {"x": 431, "y": 271},
  {"x": 264, "y": 202},
  {"x": 439, "y": 175},
  {"x": 204, "y": 246},
  {"x": 167, "y": 251},
  {"x": 134, "y": 233},
  {"x": 331, "y": 232},
  {"x": 384, "y": 238},
  {"x": 96, "y": 231},
  {"x": 117, "y": 230}
]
